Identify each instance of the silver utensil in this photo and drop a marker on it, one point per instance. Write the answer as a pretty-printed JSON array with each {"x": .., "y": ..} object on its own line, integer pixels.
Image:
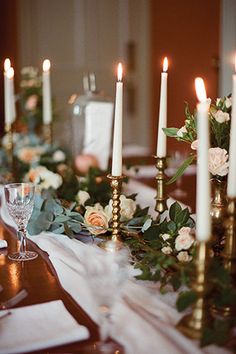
[{"x": 14, "y": 300}]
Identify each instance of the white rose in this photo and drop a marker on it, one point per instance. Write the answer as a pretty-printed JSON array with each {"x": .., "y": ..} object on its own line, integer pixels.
[
  {"x": 128, "y": 207},
  {"x": 166, "y": 250},
  {"x": 165, "y": 236},
  {"x": 218, "y": 101},
  {"x": 82, "y": 197},
  {"x": 181, "y": 131},
  {"x": 184, "y": 240},
  {"x": 59, "y": 156},
  {"x": 183, "y": 256},
  {"x": 218, "y": 164},
  {"x": 228, "y": 102},
  {"x": 47, "y": 179},
  {"x": 194, "y": 145},
  {"x": 221, "y": 116}
]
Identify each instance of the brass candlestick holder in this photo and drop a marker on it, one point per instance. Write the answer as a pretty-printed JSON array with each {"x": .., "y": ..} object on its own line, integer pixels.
[
  {"x": 47, "y": 133},
  {"x": 116, "y": 185},
  {"x": 229, "y": 256},
  {"x": 161, "y": 198},
  {"x": 9, "y": 145},
  {"x": 192, "y": 325}
]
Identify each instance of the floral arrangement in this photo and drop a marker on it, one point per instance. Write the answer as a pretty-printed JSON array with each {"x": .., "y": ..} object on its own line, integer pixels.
[{"x": 219, "y": 124}]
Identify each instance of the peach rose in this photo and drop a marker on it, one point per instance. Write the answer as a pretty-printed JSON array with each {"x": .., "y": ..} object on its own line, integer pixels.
[
  {"x": 33, "y": 173},
  {"x": 218, "y": 164},
  {"x": 96, "y": 220},
  {"x": 184, "y": 240},
  {"x": 29, "y": 154}
]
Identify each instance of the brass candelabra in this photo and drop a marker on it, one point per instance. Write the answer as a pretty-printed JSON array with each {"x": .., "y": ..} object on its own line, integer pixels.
[
  {"x": 192, "y": 325},
  {"x": 116, "y": 185},
  {"x": 47, "y": 133},
  {"x": 161, "y": 198}
]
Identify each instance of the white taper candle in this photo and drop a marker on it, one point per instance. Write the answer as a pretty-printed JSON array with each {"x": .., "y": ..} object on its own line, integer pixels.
[
  {"x": 8, "y": 75},
  {"x": 47, "y": 104},
  {"x": 161, "y": 139},
  {"x": 203, "y": 223},
  {"x": 117, "y": 135},
  {"x": 231, "y": 187}
]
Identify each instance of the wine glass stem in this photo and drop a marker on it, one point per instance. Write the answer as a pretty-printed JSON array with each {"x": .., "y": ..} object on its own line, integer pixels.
[{"x": 22, "y": 237}]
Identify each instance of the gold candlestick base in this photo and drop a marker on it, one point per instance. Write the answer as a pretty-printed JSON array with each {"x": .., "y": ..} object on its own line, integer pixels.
[
  {"x": 161, "y": 204},
  {"x": 192, "y": 325},
  {"x": 116, "y": 185},
  {"x": 47, "y": 133}
]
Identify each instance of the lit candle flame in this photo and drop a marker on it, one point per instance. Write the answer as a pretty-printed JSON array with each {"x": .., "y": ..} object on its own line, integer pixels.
[
  {"x": 119, "y": 72},
  {"x": 46, "y": 65},
  {"x": 10, "y": 73},
  {"x": 165, "y": 64},
  {"x": 7, "y": 64},
  {"x": 200, "y": 89}
]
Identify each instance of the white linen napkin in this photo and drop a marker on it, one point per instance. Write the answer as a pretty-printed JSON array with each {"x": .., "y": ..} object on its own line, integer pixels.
[
  {"x": 149, "y": 321},
  {"x": 40, "y": 326}
]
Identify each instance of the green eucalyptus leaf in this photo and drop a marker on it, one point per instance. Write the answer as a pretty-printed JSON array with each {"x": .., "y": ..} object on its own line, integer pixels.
[
  {"x": 185, "y": 299},
  {"x": 171, "y": 226},
  {"x": 175, "y": 209},
  {"x": 60, "y": 229},
  {"x": 171, "y": 132},
  {"x": 182, "y": 169},
  {"x": 146, "y": 225},
  {"x": 62, "y": 218},
  {"x": 75, "y": 227}
]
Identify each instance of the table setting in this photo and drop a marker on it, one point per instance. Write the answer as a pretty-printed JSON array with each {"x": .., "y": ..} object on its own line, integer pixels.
[{"x": 150, "y": 276}]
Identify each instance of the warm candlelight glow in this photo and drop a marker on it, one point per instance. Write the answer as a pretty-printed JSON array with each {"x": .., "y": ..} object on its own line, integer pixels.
[
  {"x": 235, "y": 63},
  {"x": 165, "y": 64},
  {"x": 46, "y": 65},
  {"x": 7, "y": 64},
  {"x": 10, "y": 73},
  {"x": 119, "y": 72},
  {"x": 200, "y": 89}
]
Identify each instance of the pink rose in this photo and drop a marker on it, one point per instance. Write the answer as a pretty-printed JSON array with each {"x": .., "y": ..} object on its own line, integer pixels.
[
  {"x": 218, "y": 164},
  {"x": 184, "y": 240},
  {"x": 31, "y": 103},
  {"x": 84, "y": 162},
  {"x": 97, "y": 220},
  {"x": 194, "y": 145}
]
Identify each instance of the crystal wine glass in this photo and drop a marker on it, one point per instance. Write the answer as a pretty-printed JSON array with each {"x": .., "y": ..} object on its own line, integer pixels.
[{"x": 20, "y": 202}]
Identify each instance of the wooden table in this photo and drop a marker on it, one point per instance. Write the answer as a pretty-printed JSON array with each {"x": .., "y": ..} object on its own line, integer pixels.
[{"x": 39, "y": 278}]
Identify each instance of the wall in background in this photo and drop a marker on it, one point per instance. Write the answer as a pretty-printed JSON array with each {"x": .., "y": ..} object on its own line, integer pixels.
[
  {"x": 91, "y": 35},
  {"x": 227, "y": 46}
]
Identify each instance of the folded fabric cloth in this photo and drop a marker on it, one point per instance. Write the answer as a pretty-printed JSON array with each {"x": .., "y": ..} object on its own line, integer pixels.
[
  {"x": 38, "y": 326},
  {"x": 149, "y": 319}
]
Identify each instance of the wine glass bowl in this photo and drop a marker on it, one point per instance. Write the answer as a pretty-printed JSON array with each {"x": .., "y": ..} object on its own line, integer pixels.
[{"x": 19, "y": 199}]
